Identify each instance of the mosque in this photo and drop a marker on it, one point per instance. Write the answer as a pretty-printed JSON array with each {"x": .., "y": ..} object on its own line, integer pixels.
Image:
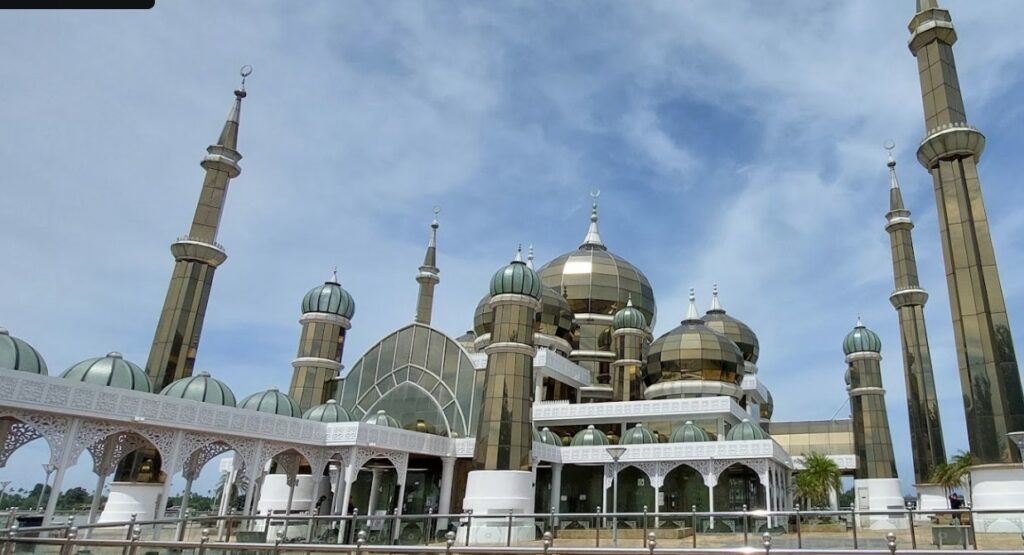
[{"x": 558, "y": 399}]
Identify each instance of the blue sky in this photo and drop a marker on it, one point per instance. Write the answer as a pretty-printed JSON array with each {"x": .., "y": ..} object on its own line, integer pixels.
[{"x": 735, "y": 142}]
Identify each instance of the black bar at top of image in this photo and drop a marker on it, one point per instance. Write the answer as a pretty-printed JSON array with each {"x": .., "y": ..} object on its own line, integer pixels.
[{"x": 77, "y": 4}]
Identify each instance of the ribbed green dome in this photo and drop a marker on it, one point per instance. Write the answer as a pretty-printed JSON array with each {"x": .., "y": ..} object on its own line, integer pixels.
[
  {"x": 629, "y": 317},
  {"x": 745, "y": 431},
  {"x": 201, "y": 387},
  {"x": 637, "y": 435},
  {"x": 589, "y": 437},
  {"x": 862, "y": 340},
  {"x": 330, "y": 298},
  {"x": 272, "y": 401},
  {"x": 549, "y": 437},
  {"x": 112, "y": 370},
  {"x": 768, "y": 407},
  {"x": 17, "y": 354},
  {"x": 382, "y": 418},
  {"x": 516, "y": 278},
  {"x": 328, "y": 412},
  {"x": 689, "y": 433}
]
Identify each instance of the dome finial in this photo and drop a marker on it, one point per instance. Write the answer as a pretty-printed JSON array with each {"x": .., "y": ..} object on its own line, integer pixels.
[
  {"x": 691, "y": 311},
  {"x": 529, "y": 257},
  {"x": 593, "y": 238},
  {"x": 715, "y": 305},
  {"x": 629, "y": 299},
  {"x": 519, "y": 253},
  {"x": 334, "y": 276},
  {"x": 860, "y": 323}
]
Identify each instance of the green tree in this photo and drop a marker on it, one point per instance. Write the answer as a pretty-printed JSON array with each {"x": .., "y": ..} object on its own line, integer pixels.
[
  {"x": 955, "y": 474},
  {"x": 962, "y": 463},
  {"x": 819, "y": 478}
]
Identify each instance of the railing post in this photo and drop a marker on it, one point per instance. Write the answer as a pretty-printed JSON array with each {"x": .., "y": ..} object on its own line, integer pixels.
[
  {"x": 891, "y": 542},
  {"x": 652, "y": 542},
  {"x": 597, "y": 528},
  {"x": 278, "y": 538},
  {"x": 136, "y": 537},
  {"x": 449, "y": 540},
  {"x": 910, "y": 520},
  {"x": 426, "y": 526},
  {"x": 353, "y": 526},
  {"x": 551, "y": 521},
  {"x": 693, "y": 509},
  {"x": 853, "y": 520},
  {"x": 469, "y": 524},
  {"x": 360, "y": 540},
  {"x": 974, "y": 538},
  {"x": 69, "y": 525},
  {"x": 69, "y": 540},
  {"x": 204, "y": 538},
  {"x": 131, "y": 526},
  {"x": 746, "y": 526},
  {"x": 12, "y": 529},
  {"x": 508, "y": 538},
  {"x": 799, "y": 533},
  {"x": 546, "y": 541},
  {"x": 182, "y": 522},
  {"x": 645, "y": 522},
  {"x": 766, "y": 541}
]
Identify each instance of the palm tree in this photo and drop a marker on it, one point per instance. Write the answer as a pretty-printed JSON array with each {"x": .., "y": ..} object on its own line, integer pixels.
[
  {"x": 240, "y": 487},
  {"x": 819, "y": 478},
  {"x": 945, "y": 475},
  {"x": 962, "y": 463}
]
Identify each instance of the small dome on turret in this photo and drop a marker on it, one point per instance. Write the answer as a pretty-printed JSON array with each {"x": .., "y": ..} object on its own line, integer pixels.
[
  {"x": 744, "y": 431},
  {"x": 382, "y": 418},
  {"x": 17, "y": 354},
  {"x": 516, "y": 278},
  {"x": 112, "y": 370},
  {"x": 272, "y": 401},
  {"x": 330, "y": 298},
  {"x": 638, "y": 435},
  {"x": 689, "y": 433},
  {"x": 733, "y": 328},
  {"x": 328, "y": 412},
  {"x": 768, "y": 407},
  {"x": 201, "y": 387},
  {"x": 861, "y": 339},
  {"x": 589, "y": 437},
  {"x": 629, "y": 317}
]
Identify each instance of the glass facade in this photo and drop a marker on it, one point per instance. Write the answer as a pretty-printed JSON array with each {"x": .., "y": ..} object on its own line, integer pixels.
[
  {"x": 313, "y": 385},
  {"x": 872, "y": 439},
  {"x": 176, "y": 342},
  {"x": 828, "y": 437},
  {"x": 692, "y": 351},
  {"x": 434, "y": 366}
]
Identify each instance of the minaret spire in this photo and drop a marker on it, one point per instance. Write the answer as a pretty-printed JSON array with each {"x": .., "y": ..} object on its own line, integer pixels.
[
  {"x": 715, "y": 305},
  {"x": 691, "y": 311},
  {"x": 927, "y": 446},
  {"x": 529, "y": 257},
  {"x": 196, "y": 255},
  {"x": 428, "y": 276},
  {"x": 951, "y": 150},
  {"x": 593, "y": 238}
]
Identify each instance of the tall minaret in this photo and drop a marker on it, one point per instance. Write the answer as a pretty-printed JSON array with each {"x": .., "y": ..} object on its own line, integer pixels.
[
  {"x": 872, "y": 441},
  {"x": 993, "y": 398},
  {"x": 501, "y": 481},
  {"x": 196, "y": 257},
  {"x": 908, "y": 299},
  {"x": 428, "y": 277}
]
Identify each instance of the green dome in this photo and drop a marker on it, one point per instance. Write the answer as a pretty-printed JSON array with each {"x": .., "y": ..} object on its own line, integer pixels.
[
  {"x": 112, "y": 370},
  {"x": 549, "y": 437},
  {"x": 862, "y": 340},
  {"x": 272, "y": 401},
  {"x": 589, "y": 438},
  {"x": 629, "y": 317},
  {"x": 516, "y": 279},
  {"x": 17, "y": 354},
  {"x": 382, "y": 418},
  {"x": 330, "y": 298},
  {"x": 689, "y": 433},
  {"x": 328, "y": 412},
  {"x": 638, "y": 435},
  {"x": 201, "y": 387},
  {"x": 745, "y": 431}
]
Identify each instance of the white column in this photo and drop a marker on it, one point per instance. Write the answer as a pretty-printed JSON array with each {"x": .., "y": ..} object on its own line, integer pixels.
[
  {"x": 721, "y": 429},
  {"x": 444, "y": 504},
  {"x": 371, "y": 506},
  {"x": 96, "y": 496},
  {"x": 187, "y": 496},
  {"x": 51, "y": 501},
  {"x": 347, "y": 476},
  {"x": 292, "y": 480},
  {"x": 401, "y": 501},
  {"x": 63, "y": 462},
  {"x": 556, "y": 487}
]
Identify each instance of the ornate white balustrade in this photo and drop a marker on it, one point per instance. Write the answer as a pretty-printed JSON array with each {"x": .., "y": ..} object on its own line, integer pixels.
[{"x": 561, "y": 413}]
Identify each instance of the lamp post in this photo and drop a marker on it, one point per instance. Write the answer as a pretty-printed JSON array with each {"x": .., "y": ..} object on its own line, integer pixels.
[
  {"x": 3, "y": 490},
  {"x": 615, "y": 453},
  {"x": 48, "y": 469}
]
